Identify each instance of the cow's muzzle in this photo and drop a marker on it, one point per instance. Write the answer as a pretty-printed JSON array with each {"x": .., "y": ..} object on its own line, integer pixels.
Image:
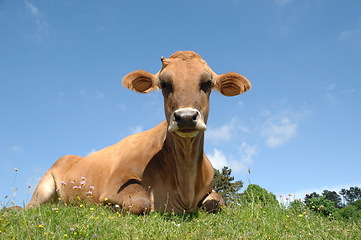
[{"x": 186, "y": 122}]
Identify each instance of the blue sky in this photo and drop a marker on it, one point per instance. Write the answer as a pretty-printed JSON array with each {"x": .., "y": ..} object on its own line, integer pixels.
[{"x": 297, "y": 129}]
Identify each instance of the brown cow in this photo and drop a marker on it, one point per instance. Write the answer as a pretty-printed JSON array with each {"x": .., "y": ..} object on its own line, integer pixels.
[{"x": 162, "y": 169}]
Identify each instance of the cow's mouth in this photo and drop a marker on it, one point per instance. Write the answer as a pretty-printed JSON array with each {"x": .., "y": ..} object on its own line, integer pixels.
[
  {"x": 186, "y": 122},
  {"x": 191, "y": 133}
]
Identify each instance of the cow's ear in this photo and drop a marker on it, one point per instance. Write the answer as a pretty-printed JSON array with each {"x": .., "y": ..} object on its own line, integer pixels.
[
  {"x": 232, "y": 84},
  {"x": 140, "y": 81}
]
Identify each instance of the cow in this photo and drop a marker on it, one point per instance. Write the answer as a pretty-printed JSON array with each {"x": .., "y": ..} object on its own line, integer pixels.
[{"x": 163, "y": 169}]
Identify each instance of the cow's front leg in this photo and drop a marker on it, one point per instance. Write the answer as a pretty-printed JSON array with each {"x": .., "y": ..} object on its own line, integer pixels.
[
  {"x": 213, "y": 202},
  {"x": 130, "y": 197}
]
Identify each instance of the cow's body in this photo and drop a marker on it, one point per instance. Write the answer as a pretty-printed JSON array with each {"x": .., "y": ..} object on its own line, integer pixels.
[{"x": 162, "y": 169}]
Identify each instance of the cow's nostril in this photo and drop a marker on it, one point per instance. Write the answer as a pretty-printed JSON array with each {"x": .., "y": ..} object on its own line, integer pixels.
[
  {"x": 177, "y": 118},
  {"x": 195, "y": 116}
]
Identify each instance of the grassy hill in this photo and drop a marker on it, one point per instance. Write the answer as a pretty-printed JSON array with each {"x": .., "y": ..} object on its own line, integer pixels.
[{"x": 246, "y": 221}]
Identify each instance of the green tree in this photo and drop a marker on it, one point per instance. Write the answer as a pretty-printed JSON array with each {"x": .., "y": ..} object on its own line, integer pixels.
[
  {"x": 309, "y": 196},
  {"x": 350, "y": 212},
  {"x": 352, "y": 195},
  {"x": 223, "y": 185},
  {"x": 256, "y": 194},
  {"x": 322, "y": 205},
  {"x": 343, "y": 194},
  {"x": 358, "y": 204},
  {"x": 333, "y": 196}
]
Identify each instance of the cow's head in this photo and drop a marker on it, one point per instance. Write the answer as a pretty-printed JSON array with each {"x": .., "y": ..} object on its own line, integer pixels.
[{"x": 186, "y": 82}]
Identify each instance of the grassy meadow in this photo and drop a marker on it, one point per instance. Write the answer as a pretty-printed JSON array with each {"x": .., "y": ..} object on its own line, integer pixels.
[
  {"x": 248, "y": 220},
  {"x": 254, "y": 216}
]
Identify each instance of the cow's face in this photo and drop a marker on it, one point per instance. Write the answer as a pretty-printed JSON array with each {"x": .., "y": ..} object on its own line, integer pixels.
[{"x": 186, "y": 82}]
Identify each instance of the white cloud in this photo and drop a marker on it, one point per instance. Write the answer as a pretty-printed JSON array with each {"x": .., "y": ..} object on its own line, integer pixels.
[
  {"x": 347, "y": 34},
  {"x": 17, "y": 149},
  {"x": 333, "y": 93},
  {"x": 42, "y": 25},
  {"x": 84, "y": 94},
  {"x": 278, "y": 131},
  {"x": 348, "y": 92},
  {"x": 136, "y": 129},
  {"x": 92, "y": 151},
  {"x": 331, "y": 97},
  {"x": 99, "y": 95},
  {"x": 30, "y": 6},
  {"x": 218, "y": 159},
  {"x": 122, "y": 106},
  {"x": 246, "y": 152},
  {"x": 331, "y": 86},
  {"x": 265, "y": 112},
  {"x": 278, "y": 123},
  {"x": 224, "y": 133},
  {"x": 353, "y": 36}
]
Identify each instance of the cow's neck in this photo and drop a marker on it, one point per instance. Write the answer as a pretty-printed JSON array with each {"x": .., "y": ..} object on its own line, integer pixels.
[{"x": 187, "y": 154}]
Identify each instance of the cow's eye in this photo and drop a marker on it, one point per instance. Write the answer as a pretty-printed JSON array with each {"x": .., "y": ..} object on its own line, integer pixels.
[
  {"x": 209, "y": 83},
  {"x": 206, "y": 86},
  {"x": 163, "y": 84},
  {"x": 166, "y": 85}
]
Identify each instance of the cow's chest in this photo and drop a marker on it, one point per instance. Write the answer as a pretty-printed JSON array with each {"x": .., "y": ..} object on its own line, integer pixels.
[{"x": 165, "y": 191}]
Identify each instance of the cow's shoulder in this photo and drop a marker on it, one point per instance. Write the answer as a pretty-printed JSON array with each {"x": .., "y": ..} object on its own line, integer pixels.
[
  {"x": 131, "y": 156},
  {"x": 141, "y": 146}
]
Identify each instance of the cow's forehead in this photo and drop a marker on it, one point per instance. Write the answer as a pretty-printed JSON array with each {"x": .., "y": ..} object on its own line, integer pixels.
[{"x": 185, "y": 64}]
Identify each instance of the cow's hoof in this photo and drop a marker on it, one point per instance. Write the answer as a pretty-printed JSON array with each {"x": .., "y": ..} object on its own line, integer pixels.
[{"x": 212, "y": 206}]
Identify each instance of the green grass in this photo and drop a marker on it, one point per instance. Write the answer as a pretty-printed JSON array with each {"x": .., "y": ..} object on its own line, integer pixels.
[{"x": 247, "y": 221}]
